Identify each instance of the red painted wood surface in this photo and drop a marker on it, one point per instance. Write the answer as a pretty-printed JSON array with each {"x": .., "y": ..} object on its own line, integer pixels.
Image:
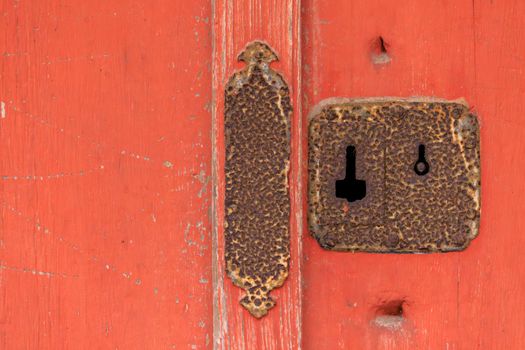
[
  {"x": 472, "y": 49},
  {"x": 105, "y": 150},
  {"x": 237, "y": 23},
  {"x": 111, "y": 130}
]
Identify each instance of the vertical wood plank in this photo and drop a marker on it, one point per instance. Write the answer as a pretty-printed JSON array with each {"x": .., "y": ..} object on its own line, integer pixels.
[
  {"x": 473, "y": 299},
  {"x": 235, "y": 24},
  {"x": 491, "y": 277}
]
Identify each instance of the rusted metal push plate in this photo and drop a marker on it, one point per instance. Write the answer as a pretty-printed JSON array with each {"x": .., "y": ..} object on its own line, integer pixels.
[
  {"x": 257, "y": 139},
  {"x": 391, "y": 175}
]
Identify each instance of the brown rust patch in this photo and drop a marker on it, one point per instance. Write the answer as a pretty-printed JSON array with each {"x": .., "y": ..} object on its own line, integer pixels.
[
  {"x": 406, "y": 209},
  {"x": 257, "y": 130}
]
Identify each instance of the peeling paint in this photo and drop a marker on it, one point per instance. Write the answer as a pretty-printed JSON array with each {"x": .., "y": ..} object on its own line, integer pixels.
[
  {"x": 91, "y": 57},
  {"x": 392, "y": 323},
  {"x": 42, "y": 228},
  {"x": 52, "y": 176},
  {"x": 37, "y": 272},
  {"x": 135, "y": 155}
]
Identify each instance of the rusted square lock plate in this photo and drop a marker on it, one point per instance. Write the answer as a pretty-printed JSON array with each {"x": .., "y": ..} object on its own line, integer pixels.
[{"x": 391, "y": 175}]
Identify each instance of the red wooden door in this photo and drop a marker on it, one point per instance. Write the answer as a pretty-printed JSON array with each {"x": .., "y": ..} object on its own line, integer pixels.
[
  {"x": 105, "y": 236},
  {"x": 463, "y": 300},
  {"x": 112, "y": 183},
  {"x": 450, "y": 49}
]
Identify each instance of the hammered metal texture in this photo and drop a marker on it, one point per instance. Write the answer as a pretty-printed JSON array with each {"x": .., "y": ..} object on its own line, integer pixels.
[
  {"x": 257, "y": 131},
  {"x": 402, "y": 211}
]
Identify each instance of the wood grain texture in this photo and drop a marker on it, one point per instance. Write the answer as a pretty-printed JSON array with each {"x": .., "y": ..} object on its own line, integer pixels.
[
  {"x": 105, "y": 238},
  {"x": 106, "y": 211},
  {"x": 237, "y": 23},
  {"x": 466, "y": 300}
]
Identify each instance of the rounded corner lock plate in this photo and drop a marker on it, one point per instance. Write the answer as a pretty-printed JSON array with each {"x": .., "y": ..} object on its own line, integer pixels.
[{"x": 394, "y": 175}]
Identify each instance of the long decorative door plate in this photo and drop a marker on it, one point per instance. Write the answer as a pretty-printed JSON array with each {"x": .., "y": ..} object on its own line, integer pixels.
[
  {"x": 257, "y": 203},
  {"x": 394, "y": 175}
]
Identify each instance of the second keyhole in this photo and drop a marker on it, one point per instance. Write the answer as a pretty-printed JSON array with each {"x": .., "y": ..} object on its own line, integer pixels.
[{"x": 421, "y": 167}]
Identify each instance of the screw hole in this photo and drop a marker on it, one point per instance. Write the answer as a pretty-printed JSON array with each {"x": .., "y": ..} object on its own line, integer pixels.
[
  {"x": 390, "y": 315},
  {"x": 382, "y": 44},
  {"x": 391, "y": 308},
  {"x": 379, "y": 53}
]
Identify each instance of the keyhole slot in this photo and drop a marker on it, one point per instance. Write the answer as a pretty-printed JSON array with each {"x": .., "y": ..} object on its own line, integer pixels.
[
  {"x": 350, "y": 188},
  {"x": 421, "y": 167}
]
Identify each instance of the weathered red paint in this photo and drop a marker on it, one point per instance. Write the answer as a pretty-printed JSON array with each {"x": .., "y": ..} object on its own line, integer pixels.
[
  {"x": 111, "y": 110},
  {"x": 467, "y": 300},
  {"x": 236, "y": 24},
  {"x": 105, "y": 237}
]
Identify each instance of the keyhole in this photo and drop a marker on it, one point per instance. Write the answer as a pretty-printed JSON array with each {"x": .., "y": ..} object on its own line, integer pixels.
[
  {"x": 421, "y": 167},
  {"x": 350, "y": 188}
]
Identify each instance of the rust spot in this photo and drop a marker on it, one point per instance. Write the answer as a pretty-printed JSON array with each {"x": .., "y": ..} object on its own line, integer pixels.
[
  {"x": 257, "y": 131},
  {"x": 420, "y": 162}
]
